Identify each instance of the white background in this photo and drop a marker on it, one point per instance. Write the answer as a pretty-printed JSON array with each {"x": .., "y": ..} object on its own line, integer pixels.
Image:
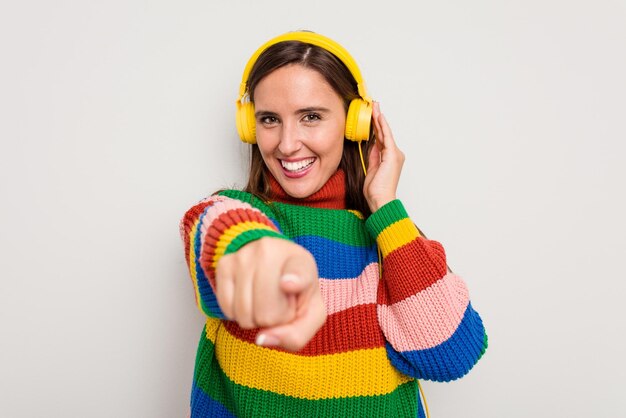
[{"x": 117, "y": 116}]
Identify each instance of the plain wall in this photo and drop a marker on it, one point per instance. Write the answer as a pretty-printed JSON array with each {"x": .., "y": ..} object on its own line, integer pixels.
[{"x": 117, "y": 116}]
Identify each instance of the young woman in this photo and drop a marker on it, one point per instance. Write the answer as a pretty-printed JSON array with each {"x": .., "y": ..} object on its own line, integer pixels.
[{"x": 322, "y": 297}]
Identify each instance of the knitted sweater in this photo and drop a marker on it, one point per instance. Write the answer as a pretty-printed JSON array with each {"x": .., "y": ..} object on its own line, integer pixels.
[{"x": 416, "y": 322}]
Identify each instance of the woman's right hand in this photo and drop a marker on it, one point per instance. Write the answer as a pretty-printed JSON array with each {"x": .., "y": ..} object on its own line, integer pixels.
[{"x": 272, "y": 284}]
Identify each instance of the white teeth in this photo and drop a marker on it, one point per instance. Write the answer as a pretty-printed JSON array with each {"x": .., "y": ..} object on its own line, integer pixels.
[{"x": 297, "y": 165}]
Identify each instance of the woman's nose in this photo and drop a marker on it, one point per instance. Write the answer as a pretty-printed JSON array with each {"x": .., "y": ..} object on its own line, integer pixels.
[{"x": 290, "y": 139}]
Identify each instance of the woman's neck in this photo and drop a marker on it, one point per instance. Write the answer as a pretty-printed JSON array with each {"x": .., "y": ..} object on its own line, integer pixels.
[{"x": 332, "y": 195}]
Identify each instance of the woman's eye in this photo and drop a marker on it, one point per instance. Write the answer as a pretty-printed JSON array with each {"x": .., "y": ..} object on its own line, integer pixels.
[
  {"x": 268, "y": 120},
  {"x": 312, "y": 117}
]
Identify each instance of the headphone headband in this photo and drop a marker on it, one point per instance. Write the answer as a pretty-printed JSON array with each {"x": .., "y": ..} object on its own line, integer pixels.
[{"x": 313, "y": 39}]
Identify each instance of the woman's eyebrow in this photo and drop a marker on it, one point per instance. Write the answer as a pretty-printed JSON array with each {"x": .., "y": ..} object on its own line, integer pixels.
[
  {"x": 264, "y": 113},
  {"x": 312, "y": 109},
  {"x": 320, "y": 109}
]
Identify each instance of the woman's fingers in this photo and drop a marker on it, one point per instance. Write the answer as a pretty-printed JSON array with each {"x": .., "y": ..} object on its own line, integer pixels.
[
  {"x": 297, "y": 272},
  {"x": 384, "y": 136},
  {"x": 243, "y": 300},
  {"x": 271, "y": 305},
  {"x": 300, "y": 280},
  {"x": 377, "y": 128},
  {"x": 373, "y": 160},
  {"x": 386, "y": 130},
  {"x": 272, "y": 283},
  {"x": 296, "y": 334},
  {"x": 382, "y": 128},
  {"x": 248, "y": 283},
  {"x": 374, "y": 154}
]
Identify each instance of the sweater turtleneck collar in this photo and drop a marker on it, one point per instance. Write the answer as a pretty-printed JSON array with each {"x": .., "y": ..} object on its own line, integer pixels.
[{"x": 332, "y": 195}]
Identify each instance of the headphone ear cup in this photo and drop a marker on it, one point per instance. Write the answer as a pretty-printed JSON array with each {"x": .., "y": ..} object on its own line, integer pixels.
[
  {"x": 246, "y": 125},
  {"x": 358, "y": 120}
]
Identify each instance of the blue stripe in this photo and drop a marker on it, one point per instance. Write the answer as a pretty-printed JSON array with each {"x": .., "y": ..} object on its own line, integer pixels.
[
  {"x": 202, "y": 405},
  {"x": 276, "y": 224},
  {"x": 336, "y": 260},
  {"x": 449, "y": 360},
  {"x": 204, "y": 287},
  {"x": 420, "y": 408}
]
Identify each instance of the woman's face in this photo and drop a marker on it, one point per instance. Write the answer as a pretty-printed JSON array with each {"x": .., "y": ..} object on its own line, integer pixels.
[{"x": 300, "y": 125}]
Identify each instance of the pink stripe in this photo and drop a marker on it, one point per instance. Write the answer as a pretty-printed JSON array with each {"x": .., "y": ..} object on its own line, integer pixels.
[
  {"x": 428, "y": 318},
  {"x": 341, "y": 294},
  {"x": 222, "y": 205}
]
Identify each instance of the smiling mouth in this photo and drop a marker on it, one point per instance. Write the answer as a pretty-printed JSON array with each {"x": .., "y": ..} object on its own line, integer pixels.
[{"x": 296, "y": 166}]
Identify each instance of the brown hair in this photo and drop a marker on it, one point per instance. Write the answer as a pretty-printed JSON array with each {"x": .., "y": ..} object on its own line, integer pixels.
[{"x": 341, "y": 80}]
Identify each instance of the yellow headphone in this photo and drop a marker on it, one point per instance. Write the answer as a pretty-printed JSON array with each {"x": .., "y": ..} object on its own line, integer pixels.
[{"x": 359, "y": 112}]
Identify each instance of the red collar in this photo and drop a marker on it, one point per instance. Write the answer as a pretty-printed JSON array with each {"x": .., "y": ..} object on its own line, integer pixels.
[{"x": 332, "y": 195}]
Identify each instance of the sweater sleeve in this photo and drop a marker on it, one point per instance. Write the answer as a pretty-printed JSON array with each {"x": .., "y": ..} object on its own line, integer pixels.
[
  {"x": 216, "y": 226},
  {"x": 431, "y": 329}
]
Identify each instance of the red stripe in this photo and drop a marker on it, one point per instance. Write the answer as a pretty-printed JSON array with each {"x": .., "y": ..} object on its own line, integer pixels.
[
  {"x": 189, "y": 219},
  {"x": 410, "y": 269},
  {"x": 217, "y": 228},
  {"x": 353, "y": 329}
]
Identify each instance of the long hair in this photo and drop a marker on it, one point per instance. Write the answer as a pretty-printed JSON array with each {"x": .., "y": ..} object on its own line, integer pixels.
[{"x": 343, "y": 83}]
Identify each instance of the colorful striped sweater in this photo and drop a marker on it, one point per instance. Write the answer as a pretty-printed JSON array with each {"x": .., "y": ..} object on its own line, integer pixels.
[{"x": 416, "y": 322}]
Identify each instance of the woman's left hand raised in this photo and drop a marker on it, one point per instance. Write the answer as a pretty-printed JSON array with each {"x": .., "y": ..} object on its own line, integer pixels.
[{"x": 385, "y": 164}]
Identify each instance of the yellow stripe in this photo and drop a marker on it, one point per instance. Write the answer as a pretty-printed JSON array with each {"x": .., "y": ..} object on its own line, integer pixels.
[
  {"x": 355, "y": 373},
  {"x": 211, "y": 327},
  {"x": 356, "y": 213},
  {"x": 396, "y": 235},
  {"x": 192, "y": 264},
  {"x": 231, "y": 233}
]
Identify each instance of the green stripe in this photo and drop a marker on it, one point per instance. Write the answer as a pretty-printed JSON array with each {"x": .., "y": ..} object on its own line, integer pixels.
[
  {"x": 249, "y": 236},
  {"x": 259, "y": 403},
  {"x": 485, "y": 345},
  {"x": 386, "y": 215},
  {"x": 335, "y": 224},
  {"x": 319, "y": 222}
]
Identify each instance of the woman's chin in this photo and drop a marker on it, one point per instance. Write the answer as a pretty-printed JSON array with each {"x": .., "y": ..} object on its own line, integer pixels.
[
  {"x": 298, "y": 185},
  {"x": 298, "y": 191}
]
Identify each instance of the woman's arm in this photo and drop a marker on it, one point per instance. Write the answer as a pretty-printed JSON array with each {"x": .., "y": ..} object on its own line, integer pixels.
[
  {"x": 244, "y": 269},
  {"x": 215, "y": 227},
  {"x": 431, "y": 328}
]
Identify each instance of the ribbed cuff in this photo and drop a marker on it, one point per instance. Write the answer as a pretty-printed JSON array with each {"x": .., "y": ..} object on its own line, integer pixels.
[
  {"x": 249, "y": 236},
  {"x": 386, "y": 215},
  {"x": 391, "y": 227}
]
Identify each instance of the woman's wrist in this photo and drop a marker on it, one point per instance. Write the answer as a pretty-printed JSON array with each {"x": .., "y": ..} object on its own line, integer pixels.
[{"x": 378, "y": 203}]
